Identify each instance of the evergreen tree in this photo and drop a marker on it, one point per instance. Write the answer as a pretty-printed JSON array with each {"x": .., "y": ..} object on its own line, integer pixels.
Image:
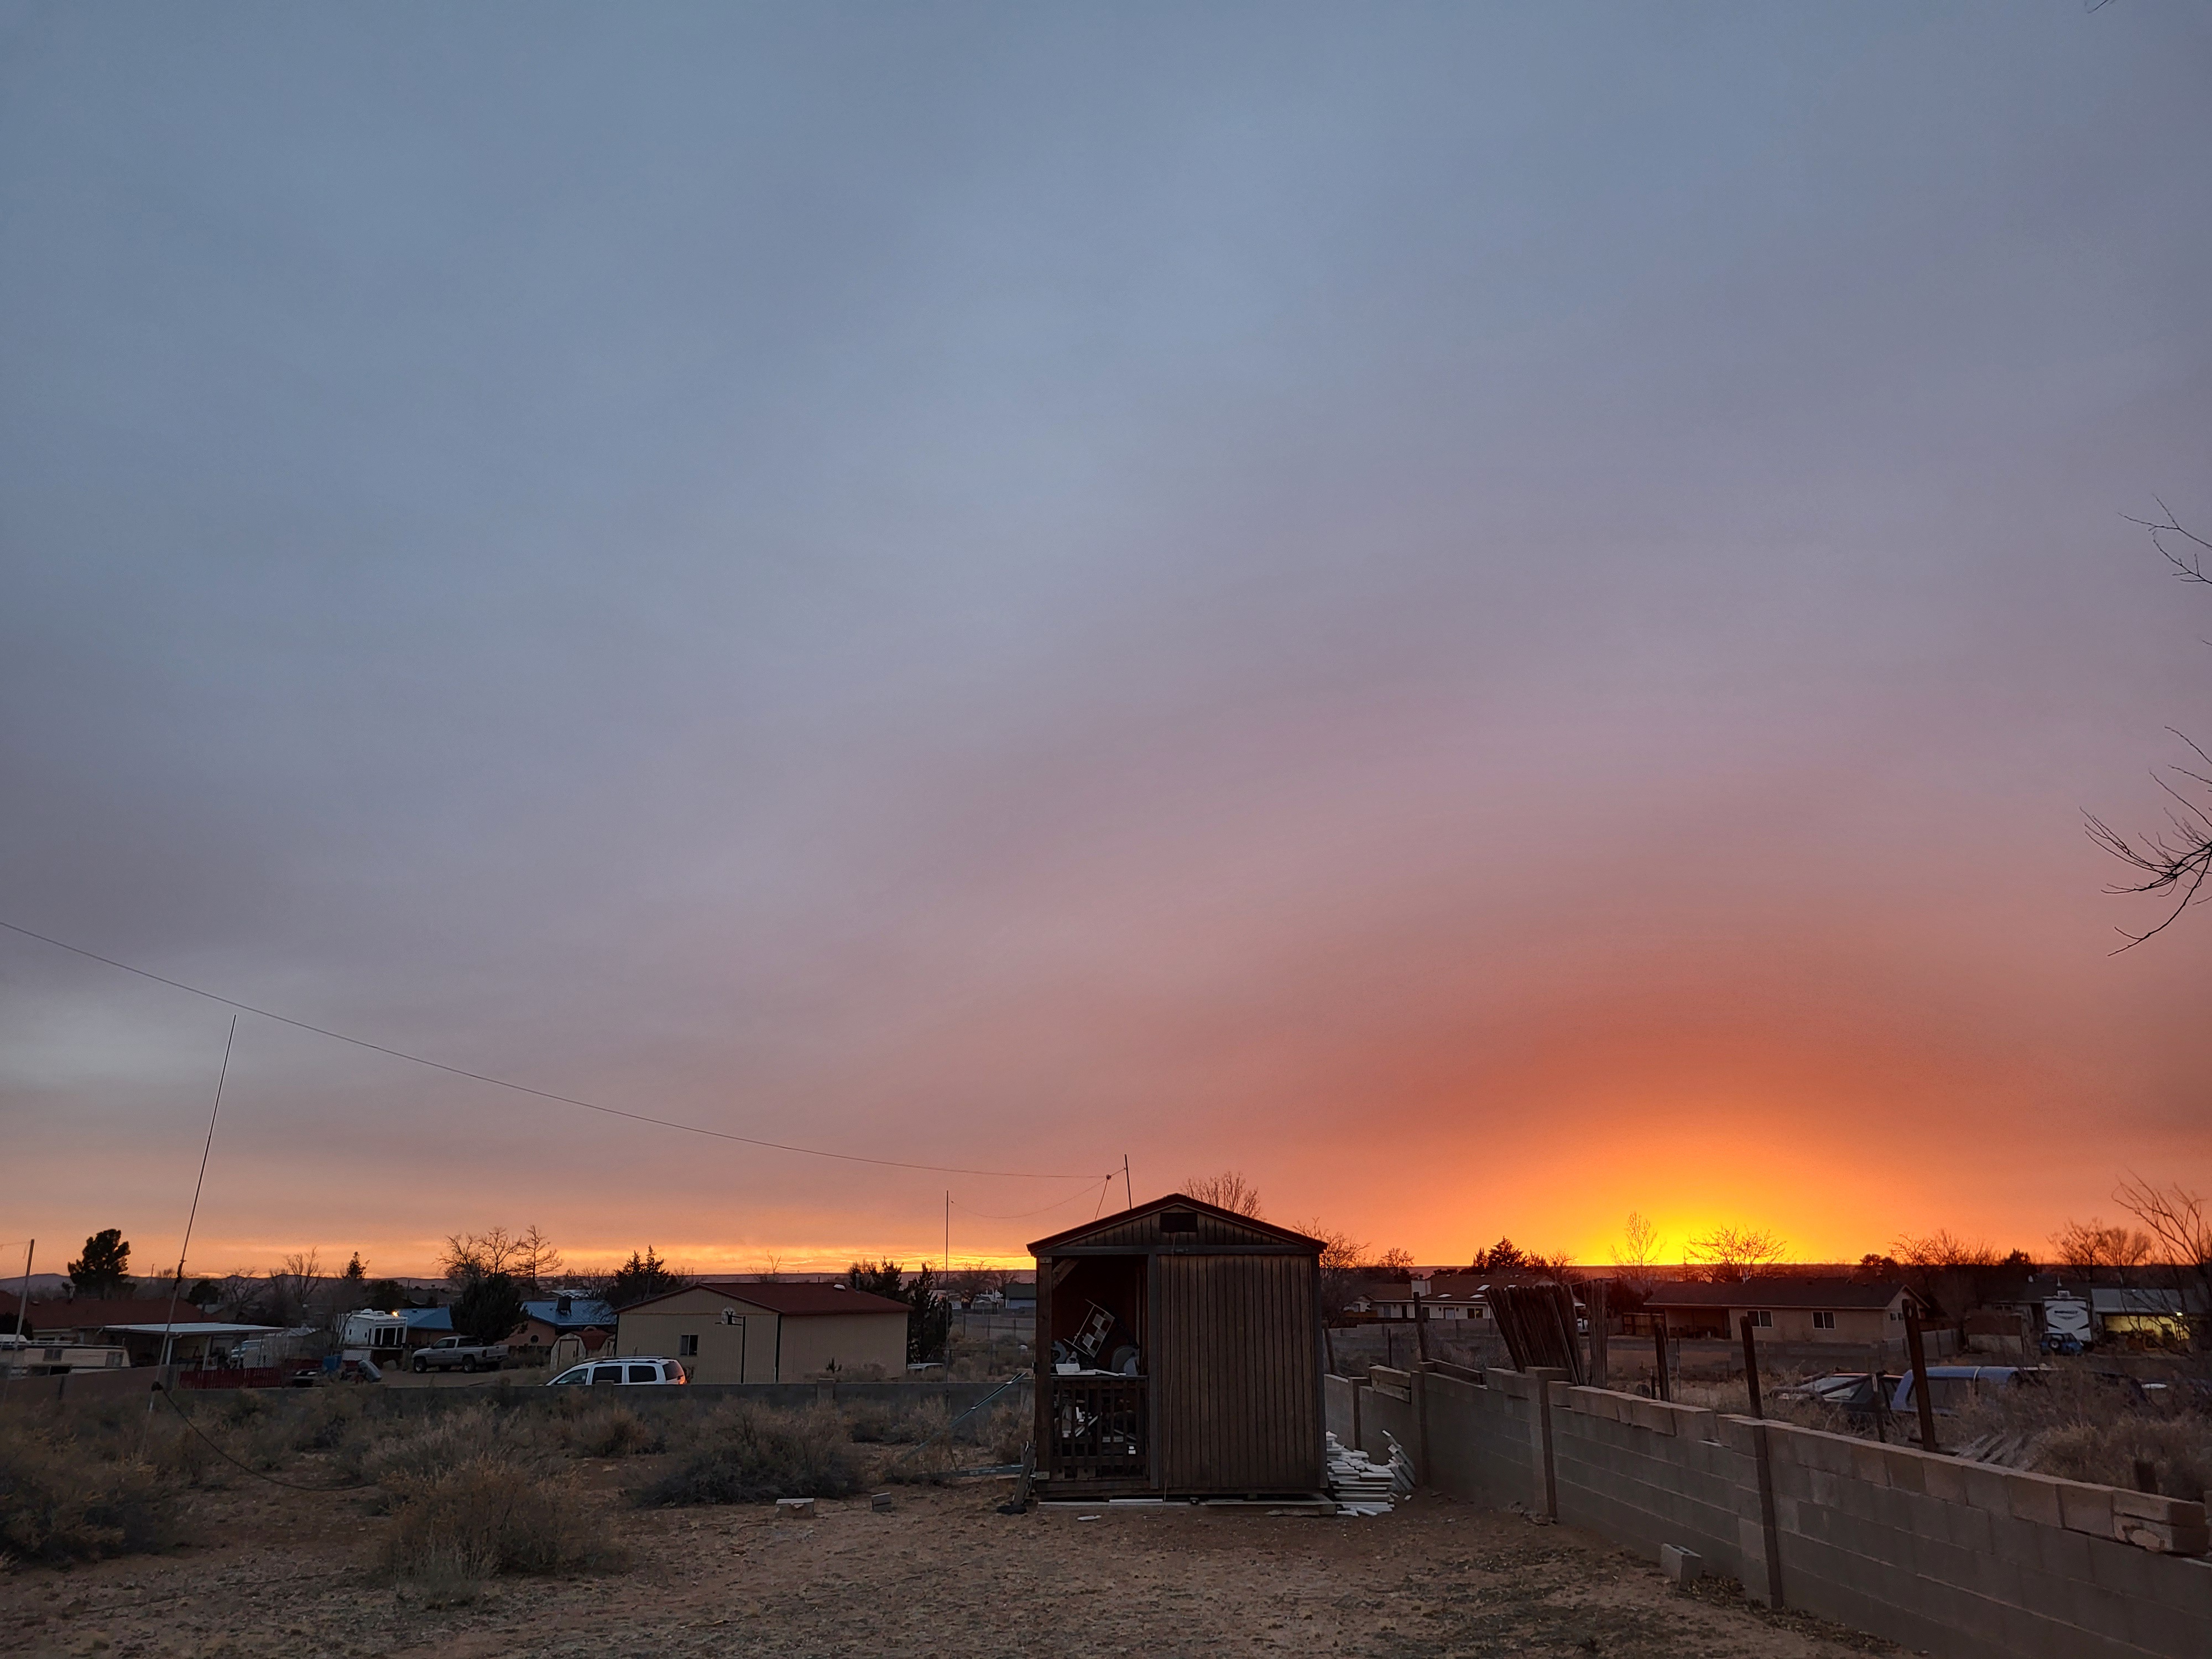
[{"x": 104, "y": 1268}]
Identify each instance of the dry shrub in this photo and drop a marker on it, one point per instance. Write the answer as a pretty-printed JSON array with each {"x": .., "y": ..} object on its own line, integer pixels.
[
  {"x": 61, "y": 1499},
  {"x": 392, "y": 1454},
  {"x": 1005, "y": 1429},
  {"x": 750, "y": 1454},
  {"x": 613, "y": 1431},
  {"x": 492, "y": 1512},
  {"x": 928, "y": 1465},
  {"x": 2178, "y": 1448},
  {"x": 872, "y": 1421}
]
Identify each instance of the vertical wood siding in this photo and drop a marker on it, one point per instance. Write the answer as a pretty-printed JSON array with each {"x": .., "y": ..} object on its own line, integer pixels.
[{"x": 1239, "y": 1387}]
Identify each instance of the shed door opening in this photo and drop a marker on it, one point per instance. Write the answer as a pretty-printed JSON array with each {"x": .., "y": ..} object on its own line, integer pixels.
[{"x": 1098, "y": 1419}]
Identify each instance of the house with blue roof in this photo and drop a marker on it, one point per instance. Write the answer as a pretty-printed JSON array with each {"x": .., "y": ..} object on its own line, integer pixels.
[{"x": 545, "y": 1321}]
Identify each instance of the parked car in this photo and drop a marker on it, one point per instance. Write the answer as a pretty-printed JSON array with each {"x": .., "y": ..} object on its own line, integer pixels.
[
  {"x": 459, "y": 1353},
  {"x": 1953, "y": 1387},
  {"x": 1849, "y": 1392},
  {"x": 630, "y": 1369}
]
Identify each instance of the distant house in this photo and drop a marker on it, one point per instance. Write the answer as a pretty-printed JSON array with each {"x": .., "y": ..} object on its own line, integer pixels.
[
  {"x": 546, "y": 1321},
  {"x": 82, "y": 1318},
  {"x": 742, "y": 1332},
  {"x": 1786, "y": 1310},
  {"x": 1455, "y": 1297},
  {"x": 2122, "y": 1310}
]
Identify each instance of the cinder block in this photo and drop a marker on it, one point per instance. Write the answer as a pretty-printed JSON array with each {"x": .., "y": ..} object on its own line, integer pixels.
[
  {"x": 1830, "y": 1452},
  {"x": 879, "y": 1501},
  {"x": 2125, "y": 1570},
  {"x": 1695, "y": 1423},
  {"x": 1681, "y": 1567},
  {"x": 2163, "y": 1538},
  {"x": 1944, "y": 1478},
  {"x": 1871, "y": 1463},
  {"x": 1740, "y": 1434},
  {"x": 1988, "y": 1489},
  {"x": 2085, "y": 1508},
  {"x": 795, "y": 1509},
  {"x": 2061, "y": 1554},
  {"x": 1907, "y": 1469},
  {"x": 2034, "y": 1498},
  {"x": 2164, "y": 1630},
  {"x": 2150, "y": 1506}
]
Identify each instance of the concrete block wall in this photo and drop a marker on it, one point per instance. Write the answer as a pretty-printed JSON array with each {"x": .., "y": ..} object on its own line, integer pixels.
[
  {"x": 1646, "y": 1474},
  {"x": 1963, "y": 1560},
  {"x": 1977, "y": 1562}
]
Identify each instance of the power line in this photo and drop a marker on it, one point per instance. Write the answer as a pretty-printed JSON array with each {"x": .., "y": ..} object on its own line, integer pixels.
[
  {"x": 1024, "y": 1215},
  {"x": 541, "y": 1094}
]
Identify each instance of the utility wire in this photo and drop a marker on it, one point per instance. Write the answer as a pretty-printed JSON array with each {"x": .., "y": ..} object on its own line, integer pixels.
[
  {"x": 1024, "y": 1215},
  {"x": 525, "y": 1089},
  {"x": 258, "y": 1474}
]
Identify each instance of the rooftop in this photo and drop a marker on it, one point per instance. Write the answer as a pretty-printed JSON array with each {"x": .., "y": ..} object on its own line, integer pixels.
[
  {"x": 1779, "y": 1291},
  {"x": 795, "y": 1301}
]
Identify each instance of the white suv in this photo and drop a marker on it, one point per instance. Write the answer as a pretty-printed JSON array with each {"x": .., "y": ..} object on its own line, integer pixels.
[{"x": 630, "y": 1368}]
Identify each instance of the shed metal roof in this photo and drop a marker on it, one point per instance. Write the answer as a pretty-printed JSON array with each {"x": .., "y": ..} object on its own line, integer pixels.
[
  {"x": 1133, "y": 1227},
  {"x": 793, "y": 1301}
]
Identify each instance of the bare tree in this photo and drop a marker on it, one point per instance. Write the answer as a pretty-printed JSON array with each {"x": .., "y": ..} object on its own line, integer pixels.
[
  {"x": 2091, "y": 1247},
  {"x": 1943, "y": 1248},
  {"x": 1637, "y": 1255},
  {"x": 1729, "y": 1253},
  {"x": 2175, "y": 861},
  {"x": 472, "y": 1257},
  {"x": 536, "y": 1261},
  {"x": 1557, "y": 1265},
  {"x": 1342, "y": 1259},
  {"x": 1395, "y": 1260},
  {"x": 2176, "y": 1219},
  {"x": 1227, "y": 1191},
  {"x": 974, "y": 1279},
  {"x": 294, "y": 1288}
]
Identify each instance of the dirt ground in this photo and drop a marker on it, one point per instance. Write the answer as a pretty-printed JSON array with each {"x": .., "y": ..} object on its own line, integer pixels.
[{"x": 941, "y": 1573}]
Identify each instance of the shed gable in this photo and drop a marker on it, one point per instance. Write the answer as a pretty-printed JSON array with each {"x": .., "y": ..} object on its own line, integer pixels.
[{"x": 1177, "y": 1224}]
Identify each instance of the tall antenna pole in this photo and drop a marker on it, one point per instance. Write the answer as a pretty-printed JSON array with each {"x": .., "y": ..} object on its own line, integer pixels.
[
  {"x": 177, "y": 1284},
  {"x": 23, "y": 1301},
  {"x": 948, "y": 1232},
  {"x": 22, "y": 1307},
  {"x": 1128, "y": 1190}
]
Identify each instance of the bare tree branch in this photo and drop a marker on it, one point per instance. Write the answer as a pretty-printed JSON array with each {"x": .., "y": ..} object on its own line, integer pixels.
[{"x": 2176, "y": 861}]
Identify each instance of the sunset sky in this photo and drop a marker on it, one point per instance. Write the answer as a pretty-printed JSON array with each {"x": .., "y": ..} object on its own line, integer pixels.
[{"x": 1493, "y": 616}]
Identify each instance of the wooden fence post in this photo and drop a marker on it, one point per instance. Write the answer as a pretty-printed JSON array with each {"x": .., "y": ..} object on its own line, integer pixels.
[
  {"x": 1921, "y": 1397},
  {"x": 1751, "y": 1366}
]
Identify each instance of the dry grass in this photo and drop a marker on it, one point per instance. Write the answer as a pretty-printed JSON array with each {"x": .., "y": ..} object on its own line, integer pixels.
[
  {"x": 869, "y": 1421},
  {"x": 2085, "y": 1427},
  {"x": 491, "y": 1512},
  {"x": 72, "y": 1497},
  {"x": 615, "y": 1431},
  {"x": 750, "y": 1455}
]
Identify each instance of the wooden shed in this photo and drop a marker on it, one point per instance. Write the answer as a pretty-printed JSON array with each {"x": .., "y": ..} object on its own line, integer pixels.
[{"x": 1180, "y": 1355}]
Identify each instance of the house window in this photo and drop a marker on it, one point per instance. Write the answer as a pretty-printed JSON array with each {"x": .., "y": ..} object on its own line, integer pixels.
[
  {"x": 687, "y": 1347},
  {"x": 1823, "y": 1320},
  {"x": 1762, "y": 1320}
]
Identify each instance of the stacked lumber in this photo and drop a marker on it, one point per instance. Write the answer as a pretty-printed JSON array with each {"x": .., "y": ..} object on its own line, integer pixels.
[{"x": 1358, "y": 1484}]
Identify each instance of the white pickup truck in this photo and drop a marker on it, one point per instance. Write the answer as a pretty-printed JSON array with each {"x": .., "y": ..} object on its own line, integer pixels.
[{"x": 459, "y": 1353}]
